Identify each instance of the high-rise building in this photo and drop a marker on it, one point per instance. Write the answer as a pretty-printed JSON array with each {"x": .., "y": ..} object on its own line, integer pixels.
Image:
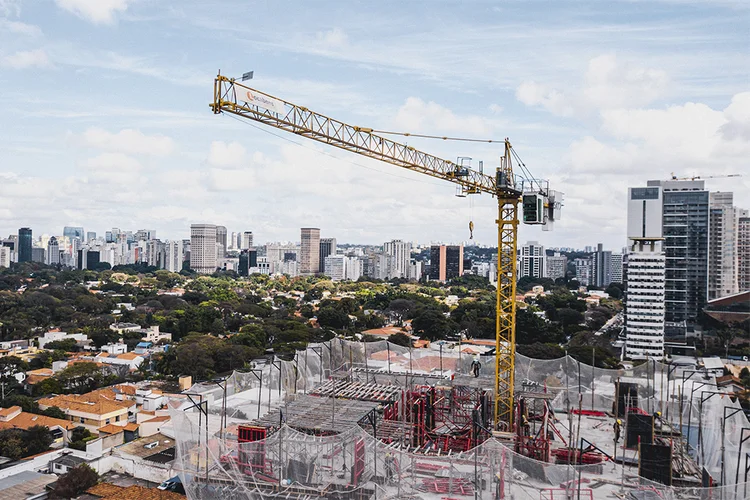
[
  {"x": 38, "y": 254},
  {"x": 309, "y": 262},
  {"x": 24, "y": 245},
  {"x": 531, "y": 260},
  {"x": 90, "y": 236},
  {"x": 203, "y": 248},
  {"x": 722, "y": 246},
  {"x": 616, "y": 265},
  {"x": 53, "y": 252},
  {"x": 73, "y": 232},
  {"x": 401, "y": 253},
  {"x": 145, "y": 235},
  {"x": 557, "y": 266},
  {"x": 247, "y": 240},
  {"x": 248, "y": 260},
  {"x": 446, "y": 262},
  {"x": 173, "y": 256},
  {"x": 645, "y": 295},
  {"x": 743, "y": 250},
  {"x": 335, "y": 267},
  {"x": 221, "y": 239},
  {"x": 327, "y": 247},
  {"x": 602, "y": 260},
  {"x": 685, "y": 232},
  {"x": 353, "y": 267},
  {"x": 5, "y": 256},
  {"x": 584, "y": 271}
]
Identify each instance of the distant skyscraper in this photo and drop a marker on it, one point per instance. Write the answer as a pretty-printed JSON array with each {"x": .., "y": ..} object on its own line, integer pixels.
[
  {"x": 247, "y": 240},
  {"x": 73, "y": 232},
  {"x": 645, "y": 295},
  {"x": 446, "y": 262},
  {"x": 532, "y": 260},
  {"x": 5, "y": 256},
  {"x": 327, "y": 247},
  {"x": 557, "y": 266},
  {"x": 90, "y": 236},
  {"x": 173, "y": 256},
  {"x": 309, "y": 262},
  {"x": 24, "y": 245},
  {"x": 53, "y": 252},
  {"x": 616, "y": 267},
  {"x": 203, "y": 248},
  {"x": 145, "y": 235},
  {"x": 685, "y": 232},
  {"x": 743, "y": 251},
  {"x": 584, "y": 271},
  {"x": 335, "y": 267},
  {"x": 38, "y": 254},
  {"x": 722, "y": 246},
  {"x": 401, "y": 253},
  {"x": 221, "y": 239},
  {"x": 602, "y": 260}
]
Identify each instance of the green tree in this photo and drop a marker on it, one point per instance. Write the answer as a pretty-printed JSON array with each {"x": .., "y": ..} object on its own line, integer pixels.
[
  {"x": 66, "y": 345},
  {"x": 400, "y": 339},
  {"x": 80, "y": 377},
  {"x": 48, "y": 386},
  {"x": 331, "y": 317},
  {"x": 37, "y": 439},
  {"x": 75, "y": 482},
  {"x": 12, "y": 444},
  {"x": 433, "y": 325}
]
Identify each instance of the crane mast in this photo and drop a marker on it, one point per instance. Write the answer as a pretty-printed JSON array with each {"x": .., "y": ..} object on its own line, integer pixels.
[{"x": 233, "y": 97}]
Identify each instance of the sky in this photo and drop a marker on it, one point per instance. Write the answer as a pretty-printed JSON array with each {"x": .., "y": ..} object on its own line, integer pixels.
[{"x": 106, "y": 121}]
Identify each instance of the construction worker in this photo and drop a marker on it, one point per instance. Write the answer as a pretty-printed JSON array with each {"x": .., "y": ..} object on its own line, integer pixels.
[
  {"x": 475, "y": 366},
  {"x": 616, "y": 428},
  {"x": 657, "y": 420},
  {"x": 526, "y": 426},
  {"x": 389, "y": 467}
]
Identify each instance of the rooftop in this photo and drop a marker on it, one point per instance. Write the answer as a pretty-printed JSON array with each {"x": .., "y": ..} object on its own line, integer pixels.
[
  {"x": 109, "y": 491},
  {"x": 25, "y": 420},
  {"x": 24, "y": 485},
  {"x": 138, "y": 447},
  {"x": 111, "y": 429},
  {"x": 69, "y": 460},
  {"x": 94, "y": 402}
]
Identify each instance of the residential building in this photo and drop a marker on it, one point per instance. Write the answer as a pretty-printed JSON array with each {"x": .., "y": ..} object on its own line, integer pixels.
[
  {"x": 221, "y": 242},
  {"x": 416, "y": 269},
  {"x": 617, "y": 263},
  {"x": 584, "y": 271},
  {"x": 38, "y": 254},
  {"x": 602, "y": 260},
  {"x": 645, "y": 295},
  {"x": 144, "y": 235},
  {"x": 556, "y": 266},
  {"x": 327, "y": 247},
  {"x": 24, "y": 245},
  {"x": 401, "y": 253},
  {"x": 53, "y": 336},
  {"x": 446, "y": 262},
  {"x": 309, "y": 261},
  {"x": 531, "y": 260},
  {"x": 5, "y": 259},
  {"x": 354, "y": 268},
  {"x": 335, "y": 267},
  {"x": 173, "y": 256},
  {"x": 722, "y": 246},
  {"x": 53, "y": 252},
  {"x": 743, "y": 251},
  {"x": 15, "y": 418},
  {"x": 92, "y": 410},
  {"x": 203, "y": 248},
  {"x": 685, "y": 223},
  {"x": 130, "y": 359},
  {"x": 247, "y": 240}
]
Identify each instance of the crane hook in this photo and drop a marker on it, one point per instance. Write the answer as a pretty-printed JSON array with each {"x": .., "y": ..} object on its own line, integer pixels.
[{"x": 471, "y": 230}]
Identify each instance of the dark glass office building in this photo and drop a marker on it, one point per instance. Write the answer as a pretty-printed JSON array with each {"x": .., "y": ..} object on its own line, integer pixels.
[{"x": 24, "y": 244}]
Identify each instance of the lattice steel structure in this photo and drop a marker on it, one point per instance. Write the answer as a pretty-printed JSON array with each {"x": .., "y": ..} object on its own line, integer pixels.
[{"x": 232, "y": 97}]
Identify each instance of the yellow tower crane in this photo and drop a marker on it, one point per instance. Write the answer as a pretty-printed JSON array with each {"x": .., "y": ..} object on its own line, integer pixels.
[{"x": 541, "y": 206}]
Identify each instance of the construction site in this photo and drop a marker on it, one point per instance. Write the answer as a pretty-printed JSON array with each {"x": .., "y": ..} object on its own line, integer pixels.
[{"x": 351, "y": 420}]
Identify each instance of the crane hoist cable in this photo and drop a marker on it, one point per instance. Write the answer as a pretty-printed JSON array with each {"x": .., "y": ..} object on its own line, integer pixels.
[{"x": 441, "y": 137}]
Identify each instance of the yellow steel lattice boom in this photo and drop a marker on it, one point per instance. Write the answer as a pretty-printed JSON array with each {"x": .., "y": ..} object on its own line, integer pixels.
[{"x": 232, "y": 97}]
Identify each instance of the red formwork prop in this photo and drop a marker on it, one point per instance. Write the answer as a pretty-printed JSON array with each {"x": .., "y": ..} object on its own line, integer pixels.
[
  {"x": 589, "y": 413},
  {"x": 570, "y": 455},
  {"x": 359, "y": 461},
  {"x": 251, "y": 461}
]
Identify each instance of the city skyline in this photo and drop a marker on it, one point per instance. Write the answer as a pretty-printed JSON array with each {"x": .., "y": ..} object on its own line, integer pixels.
[{"x": 609, "y": 101}]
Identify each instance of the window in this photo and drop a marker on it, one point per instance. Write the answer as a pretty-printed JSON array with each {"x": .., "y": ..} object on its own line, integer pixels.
[
  {"x": 83, "y": 420},
  {"x": 107, "y": 421},
  {"x": 644, "y": 193},
  {"x": 117, "y": 418}
]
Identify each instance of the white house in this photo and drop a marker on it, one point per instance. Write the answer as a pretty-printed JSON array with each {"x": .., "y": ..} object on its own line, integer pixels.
[{"x": 55, "y": 336}]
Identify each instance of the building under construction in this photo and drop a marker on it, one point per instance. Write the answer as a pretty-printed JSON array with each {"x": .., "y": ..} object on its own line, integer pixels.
[{"x": 349, "y": 420}]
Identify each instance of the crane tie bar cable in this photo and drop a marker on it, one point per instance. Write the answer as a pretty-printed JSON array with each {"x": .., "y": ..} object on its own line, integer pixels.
[{"x": 441, "y": 137}]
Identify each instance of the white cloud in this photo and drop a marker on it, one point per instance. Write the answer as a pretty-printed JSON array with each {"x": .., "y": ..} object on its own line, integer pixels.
[
  {"x": 737, "y": 115},
  {"x": 607, "y": 84},
  {"x": 333, "y": 38},
  {"x": 27, "y": 59},
  {"x": 113, "y": 162},
  {"x": 416, "y": 115},
  {"x": 128, "y": 141},
  {"x": 224, "y": 154},
  {"x": 20, "y": 28},
  {"x": 95, "y": 11}
]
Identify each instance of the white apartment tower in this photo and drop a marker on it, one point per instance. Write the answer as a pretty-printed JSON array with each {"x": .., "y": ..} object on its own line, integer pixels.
[
  {"x": 557, "y": 266},
  {"x": 335, "y": 267},
  {"x": 722, "y": 245},
  {"x": 401, "y": 253},
  {"x": 203, "y": 248},
  {"x": 173, "y": 256},
  {"x": 247, "y": 240},
  {"x": 532, "y": 260},
  {"x": 743, "y": 250},
  {"x": 53, "y": 252},
  {"x": 616, "y": 260},
  {"x": 646, "y": 278}
]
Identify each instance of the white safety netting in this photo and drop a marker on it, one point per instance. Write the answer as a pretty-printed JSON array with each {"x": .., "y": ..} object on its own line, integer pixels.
[{"x": 298, "y": 465}]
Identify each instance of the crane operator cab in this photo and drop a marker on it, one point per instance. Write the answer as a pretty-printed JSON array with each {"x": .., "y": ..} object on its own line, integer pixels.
[{"x": 542, "y": 207}]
